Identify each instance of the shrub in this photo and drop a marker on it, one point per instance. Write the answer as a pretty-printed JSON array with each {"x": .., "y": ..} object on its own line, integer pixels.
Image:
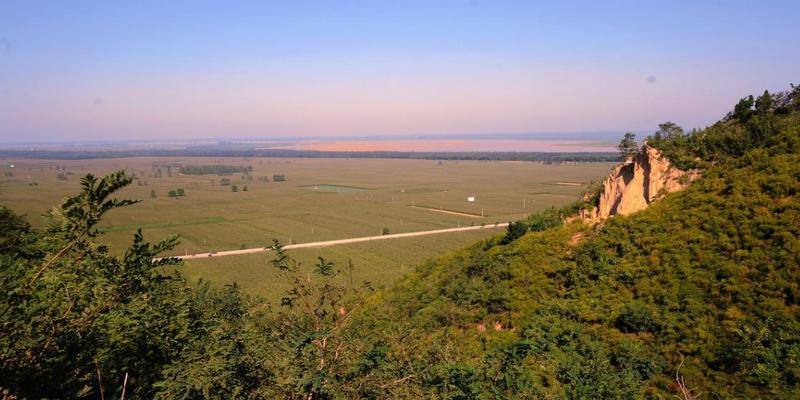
[{"x": 636, "y": 317}]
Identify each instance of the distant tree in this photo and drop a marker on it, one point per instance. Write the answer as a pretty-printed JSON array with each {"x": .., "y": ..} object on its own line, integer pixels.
[
  {"x": 668, "y": 131},
  {"x": 385, "y": 231},
  {"x": 762, "y": 124},
  {"x": 744, "y": 109},
  {"x": 180, "y": 192},
  {"x": 244, "y": 188},
  {"x": 62, "y": 176},
  {"x": 628, "y": 145},
  {"x": 764, "y": 103},
  {"x": 224, "y": 182},
  {"x": 234, "y": 188},
  {"x": 172, "y": 193},
  {"x": 278, "y": 178},
  {"x": 795, "y": 94},
  {"x": 153, "y": 194},
  {"x": 514, "y": 231}
]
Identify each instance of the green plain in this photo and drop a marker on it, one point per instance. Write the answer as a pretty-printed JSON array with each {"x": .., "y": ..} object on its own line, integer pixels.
[{"x": 322, "y": 199}]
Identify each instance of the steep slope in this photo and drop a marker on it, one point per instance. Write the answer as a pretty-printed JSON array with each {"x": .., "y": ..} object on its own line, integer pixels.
[
  {"x": 701, "y": 285},
  {"x": 639, "y": 181}
]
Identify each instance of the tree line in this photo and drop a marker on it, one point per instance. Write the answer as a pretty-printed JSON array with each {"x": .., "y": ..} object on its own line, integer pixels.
[
  {"x": 214, "y": 169},
  {"x": 278, "y": 153}
]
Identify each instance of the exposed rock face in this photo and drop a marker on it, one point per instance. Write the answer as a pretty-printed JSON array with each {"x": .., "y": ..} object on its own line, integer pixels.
[{"x": 642, "y": 179}]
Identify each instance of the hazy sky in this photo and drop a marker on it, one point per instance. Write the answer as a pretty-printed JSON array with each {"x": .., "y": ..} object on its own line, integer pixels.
[{"x": 113, "y": 70}]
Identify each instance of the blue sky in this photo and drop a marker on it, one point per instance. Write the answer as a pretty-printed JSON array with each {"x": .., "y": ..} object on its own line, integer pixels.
[{"x": 146, "y": 70}]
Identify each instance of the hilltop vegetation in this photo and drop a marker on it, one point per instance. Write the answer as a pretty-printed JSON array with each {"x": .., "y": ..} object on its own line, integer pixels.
[
  {"x": 695, "y": 297},
  {"x": 704, "y": 282}
]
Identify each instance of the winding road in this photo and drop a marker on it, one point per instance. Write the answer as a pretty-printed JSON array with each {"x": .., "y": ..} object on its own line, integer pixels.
[{"x": 341, "y": 241}]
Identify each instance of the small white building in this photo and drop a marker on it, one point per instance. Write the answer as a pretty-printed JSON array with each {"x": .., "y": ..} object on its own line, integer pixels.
[{"x": 471, "y": 199}]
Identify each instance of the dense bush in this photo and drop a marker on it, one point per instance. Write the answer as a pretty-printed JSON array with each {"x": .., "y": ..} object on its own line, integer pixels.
[{"x": 636, "y": 317}]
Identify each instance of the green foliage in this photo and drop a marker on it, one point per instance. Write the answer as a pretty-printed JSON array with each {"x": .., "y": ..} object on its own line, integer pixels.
[
  {"x": 74, "y": 318},
  {"x": 551, "y": 217},
  {"x": 743, "y": 109},
  {"x": 628, "y": 145},
  {"x": 324, "y": 267},
  {"x": 311, "y": 341},
  {"x": 515, "y": 230},
  {"x": 79, "y": 215},
  {"x": 16, "y": 235},
  {"x": 635, "y": 318},
  {"x": 765, "y": 121}
]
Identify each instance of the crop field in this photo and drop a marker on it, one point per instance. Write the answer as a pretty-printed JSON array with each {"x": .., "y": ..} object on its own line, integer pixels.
[{"x": 321, "y": 199}]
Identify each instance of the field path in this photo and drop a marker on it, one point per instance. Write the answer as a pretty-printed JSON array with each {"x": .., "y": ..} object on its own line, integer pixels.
[
  {"x": 342, "y": 241},
  {"x": 452, "y": 212}
]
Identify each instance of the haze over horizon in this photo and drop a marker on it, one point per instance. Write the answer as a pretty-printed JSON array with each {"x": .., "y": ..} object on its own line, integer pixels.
[{"x": 150, "y": 71}]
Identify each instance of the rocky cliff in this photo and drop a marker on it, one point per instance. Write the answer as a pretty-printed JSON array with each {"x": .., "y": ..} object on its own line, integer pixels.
[{"x": 642, "y": 179}]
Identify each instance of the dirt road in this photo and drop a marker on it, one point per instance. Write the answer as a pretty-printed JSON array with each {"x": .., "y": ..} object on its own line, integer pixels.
[{"x": 342, "y": 241}]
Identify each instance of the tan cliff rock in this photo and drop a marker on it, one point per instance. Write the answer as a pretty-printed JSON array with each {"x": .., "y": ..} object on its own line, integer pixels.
[{"x": 633, "y": 185}]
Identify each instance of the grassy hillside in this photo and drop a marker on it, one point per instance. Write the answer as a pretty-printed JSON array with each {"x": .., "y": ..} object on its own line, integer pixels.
[{"x": 703, "y": 284}]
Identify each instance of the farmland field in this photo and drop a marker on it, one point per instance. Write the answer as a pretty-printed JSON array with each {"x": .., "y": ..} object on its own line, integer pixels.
[
  {"x": 321, "y": 199},
  {"x": 376, "y": 262}
]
